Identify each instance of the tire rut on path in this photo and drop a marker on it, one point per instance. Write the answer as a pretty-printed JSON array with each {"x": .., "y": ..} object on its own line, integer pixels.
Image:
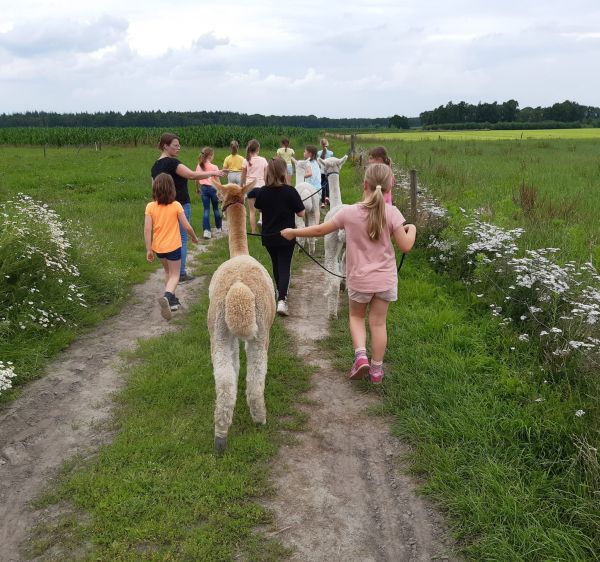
[
  {"x": 339, "y": 493},
  {"x": 65, "y": 412}
]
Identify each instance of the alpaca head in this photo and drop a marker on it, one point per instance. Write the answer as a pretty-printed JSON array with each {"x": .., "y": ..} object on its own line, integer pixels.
[
  {"x": 232, "y": 193},
  {"x": 333, "y": 164},
  {"x": 302, "y": 167}
]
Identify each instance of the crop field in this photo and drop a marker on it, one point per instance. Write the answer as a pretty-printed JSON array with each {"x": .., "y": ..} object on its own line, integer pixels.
[{"x": 489, "y": 135}]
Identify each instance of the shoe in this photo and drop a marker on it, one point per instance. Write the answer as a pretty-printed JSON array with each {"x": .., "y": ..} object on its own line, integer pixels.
[
  {"x": 376, "y": 374},
  {"x": 218, "y": 230},
  {"x": 360, "y": 369},
  {"x": 258, "y": 223},
  {"x": 165, "y": 309},
  {"x": 173, "y": 303},
  {"x": 207, "y": 235},
  {"x": 282, "y": 308},
  {"x": 186, "y": 277}
]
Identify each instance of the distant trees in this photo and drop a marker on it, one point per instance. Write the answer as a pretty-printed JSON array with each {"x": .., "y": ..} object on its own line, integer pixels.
[
  {"x": 399, "y": 122},
  {"x": 182, "y": 119},
  {"x": 508, "y": 112}
]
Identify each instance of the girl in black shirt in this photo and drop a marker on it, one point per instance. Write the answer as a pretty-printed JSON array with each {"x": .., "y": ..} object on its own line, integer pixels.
[{"x": 279, "y": 203}]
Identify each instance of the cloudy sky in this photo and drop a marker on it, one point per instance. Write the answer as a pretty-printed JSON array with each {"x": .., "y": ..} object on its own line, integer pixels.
[{"x": 330, "y": 58}]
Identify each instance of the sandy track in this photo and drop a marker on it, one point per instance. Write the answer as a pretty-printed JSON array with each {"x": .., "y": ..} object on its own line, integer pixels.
[
  {"x": 62, "y": 414},
  {"x": 340, "y": 495}
]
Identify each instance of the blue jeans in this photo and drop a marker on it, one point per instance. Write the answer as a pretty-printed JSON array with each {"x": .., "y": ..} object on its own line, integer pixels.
[
  {"x": 209, "y": 194},
  {"x": 187, "y": 211}
]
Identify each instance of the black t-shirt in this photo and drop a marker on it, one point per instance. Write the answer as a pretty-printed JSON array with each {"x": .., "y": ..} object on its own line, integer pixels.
[
  {"x": 279, "y": 205},
  {"x": 169, "y": 165}
]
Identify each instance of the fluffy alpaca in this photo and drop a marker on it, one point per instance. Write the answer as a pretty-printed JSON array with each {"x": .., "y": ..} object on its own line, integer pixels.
[
  {"x": 335, "y": 242},
  {"x": 242, "y": 307},
  {"x": 311, "y": 204}
]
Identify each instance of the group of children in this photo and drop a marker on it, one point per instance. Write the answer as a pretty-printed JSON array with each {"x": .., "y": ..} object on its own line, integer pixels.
[{"x": 370, "y": 227}]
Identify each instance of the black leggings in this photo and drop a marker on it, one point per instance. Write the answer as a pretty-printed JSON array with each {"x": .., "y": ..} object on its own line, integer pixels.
[
  {"x": 281, "y": 257},
  {"x": 324, "y": 187}
]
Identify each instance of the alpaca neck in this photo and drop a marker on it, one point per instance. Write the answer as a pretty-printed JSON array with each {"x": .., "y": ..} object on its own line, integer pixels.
[
  {"x": 236, "y": 221},
  {"x": 335, "y": 196},
  {"x": 299, "y": 175}
]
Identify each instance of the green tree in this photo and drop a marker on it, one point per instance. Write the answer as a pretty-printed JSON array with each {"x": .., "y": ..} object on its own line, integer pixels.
[{"x": 399, "y": 122}]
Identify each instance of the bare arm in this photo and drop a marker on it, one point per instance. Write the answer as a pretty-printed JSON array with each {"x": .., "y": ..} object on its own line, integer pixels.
[
  {"x": 405, "y": 237},
  {"x": 309, "y": 231},
  {"x": 187, "y": 226},
  {"x": 188, "y": 174},
  {"x": 148, "y": 238},
  {"x": 243, "y": 178},
  {"x": 301, "y": 213}
]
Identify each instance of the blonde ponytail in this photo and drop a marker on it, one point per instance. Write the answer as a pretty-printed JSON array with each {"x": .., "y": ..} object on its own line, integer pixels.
[{"x": 378, "y": 179}]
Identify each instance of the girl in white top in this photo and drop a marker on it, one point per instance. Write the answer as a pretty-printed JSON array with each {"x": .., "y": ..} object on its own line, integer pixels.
[{"x": 254, "y": 168}]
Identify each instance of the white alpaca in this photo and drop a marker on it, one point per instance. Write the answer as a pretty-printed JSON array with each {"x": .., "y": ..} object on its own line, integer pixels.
[
  {"x": 242, "y": 307},
  {"x": 310, "y": 199},
  {"x": 335, "y": 242}
]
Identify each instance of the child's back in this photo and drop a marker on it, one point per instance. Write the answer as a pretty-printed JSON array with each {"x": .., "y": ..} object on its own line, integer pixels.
[{"x": 165, "y": 226}]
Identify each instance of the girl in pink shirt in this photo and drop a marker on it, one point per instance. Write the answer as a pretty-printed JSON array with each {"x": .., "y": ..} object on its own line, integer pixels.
[
  {"x": 378, "y": 155},
  {"x": 371, "y": 274},
  {"x": 208, "y": 192},
  {"x": 254, "y": 168}
]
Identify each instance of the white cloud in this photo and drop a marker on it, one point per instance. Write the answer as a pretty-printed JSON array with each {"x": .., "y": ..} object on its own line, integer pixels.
[{"x": 335, "y": 59}]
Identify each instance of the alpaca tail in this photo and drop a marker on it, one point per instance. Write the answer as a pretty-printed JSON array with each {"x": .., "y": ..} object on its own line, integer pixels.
[{"x": 240, "y": 311}]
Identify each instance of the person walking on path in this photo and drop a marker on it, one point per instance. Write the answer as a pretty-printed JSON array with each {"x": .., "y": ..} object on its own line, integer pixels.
[
  {"x": 164, "y": 217},
  {"x": 287, "y": 153},
  {"x": 378, "y": 155},
  {"x": 233, "y": 163},
  {"x": 371, "y": 274},
  {"x": 208, "y": 192},
  {"x": 279, "y": 204},
  {"x": 313, "y": 175},
  {"x": 169, "y": 146},
  {"x": 323, "y": 154},
  {"x": 253, "y": 168}
]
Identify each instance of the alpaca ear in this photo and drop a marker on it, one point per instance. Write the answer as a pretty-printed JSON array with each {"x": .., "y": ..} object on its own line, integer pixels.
[
  {"x": 248, "y": 187},
  {"x": 343, "y": 159}
]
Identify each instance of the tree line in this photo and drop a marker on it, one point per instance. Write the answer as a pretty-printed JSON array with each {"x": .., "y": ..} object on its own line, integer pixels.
[
  {"x": 173, "y": 119},
  {"x": 509, "y": 112}
]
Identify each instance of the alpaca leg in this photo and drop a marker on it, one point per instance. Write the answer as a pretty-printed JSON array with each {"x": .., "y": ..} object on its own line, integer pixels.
[
  {"x": 256, "y": 356},
  {"x": 225, "y": 386},
  {"x": 300, "y": 224}
]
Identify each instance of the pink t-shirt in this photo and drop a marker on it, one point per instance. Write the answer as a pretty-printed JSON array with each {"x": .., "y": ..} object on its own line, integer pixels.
[
  {"x": 208, "y": 167},
  {"x": 255, "y": 170},
  {"x": 370, "y": 264}
]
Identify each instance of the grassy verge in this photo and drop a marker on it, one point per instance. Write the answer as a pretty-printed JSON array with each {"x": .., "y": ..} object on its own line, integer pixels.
[
  {"x": 158, "y": 492},
  {"x": 492, "y": 436}
]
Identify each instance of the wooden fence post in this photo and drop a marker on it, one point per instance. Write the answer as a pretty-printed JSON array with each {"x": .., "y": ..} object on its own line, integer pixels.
[
  {"x": 413, "y": 196},
  {"x": 352, "y": 145}
]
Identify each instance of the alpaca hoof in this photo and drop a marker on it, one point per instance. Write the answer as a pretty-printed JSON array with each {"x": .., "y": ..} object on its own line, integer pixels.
[{"x": 220, "y": 445}]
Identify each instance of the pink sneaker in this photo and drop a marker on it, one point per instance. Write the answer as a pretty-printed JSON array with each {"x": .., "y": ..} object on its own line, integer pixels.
[
  {"x": 376, "y": 374},
  {"x": 360, "y": 369}
]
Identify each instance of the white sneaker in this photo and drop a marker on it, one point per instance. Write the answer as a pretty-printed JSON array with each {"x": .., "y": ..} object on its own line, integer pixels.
[
  {"x": 218, "y": 230},
  {"x": 207, "y": 234},
  {"x": 282, "y": 308}
]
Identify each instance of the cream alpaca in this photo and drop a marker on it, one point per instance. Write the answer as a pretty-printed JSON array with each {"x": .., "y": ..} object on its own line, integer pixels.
[
  {"x": 310, "y": 199},
  {"x": 335, "y": 242},
  {"x": 242, "y": 307}
]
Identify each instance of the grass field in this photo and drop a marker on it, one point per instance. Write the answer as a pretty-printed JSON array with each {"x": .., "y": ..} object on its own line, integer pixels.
[
  {"x": 417, "y": 135},
  {"x": 495, "y": 439},
  {"x": 549, "y": 187}
]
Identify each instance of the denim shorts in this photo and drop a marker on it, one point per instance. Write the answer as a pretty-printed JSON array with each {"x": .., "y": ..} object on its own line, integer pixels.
[
  {"x": 290, "y": 170},
  {"x": 171, "y": 256},
  {"x": 390, "y": 295}
]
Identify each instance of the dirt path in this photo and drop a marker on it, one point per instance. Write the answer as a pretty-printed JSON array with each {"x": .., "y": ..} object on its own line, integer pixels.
[
  {"x": 340, "y": 495},
  {"x": 63, "y": 413}
]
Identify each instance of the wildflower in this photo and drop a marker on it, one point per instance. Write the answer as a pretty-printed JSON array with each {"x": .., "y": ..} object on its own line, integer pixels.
[
  {"x": 580, "y": 413},
  {"x": 524, "y": 337}
]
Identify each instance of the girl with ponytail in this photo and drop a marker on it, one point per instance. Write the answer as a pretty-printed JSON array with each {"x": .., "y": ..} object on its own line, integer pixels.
[
  {"x": 254, "y": 168},
  {"x": 371, "y": 274}
]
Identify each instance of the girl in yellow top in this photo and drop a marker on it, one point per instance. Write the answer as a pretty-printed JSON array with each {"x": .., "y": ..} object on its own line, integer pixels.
[
  {"x": 233, "y": 163},
  {"x": 161, "y": 234},
  {"x": 287, "y": 154}
]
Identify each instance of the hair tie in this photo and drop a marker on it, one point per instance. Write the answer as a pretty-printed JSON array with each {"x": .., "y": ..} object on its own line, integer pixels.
[{"x": 377, "y": 187}]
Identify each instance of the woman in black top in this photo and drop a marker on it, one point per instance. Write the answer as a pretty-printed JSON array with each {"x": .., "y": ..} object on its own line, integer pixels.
[
  {"x": 167, "y": 162},
  {"x": 279, "y": 203}
]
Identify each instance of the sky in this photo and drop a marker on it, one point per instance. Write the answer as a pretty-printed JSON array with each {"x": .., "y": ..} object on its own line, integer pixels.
[{"x": 329, "y": 58}]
